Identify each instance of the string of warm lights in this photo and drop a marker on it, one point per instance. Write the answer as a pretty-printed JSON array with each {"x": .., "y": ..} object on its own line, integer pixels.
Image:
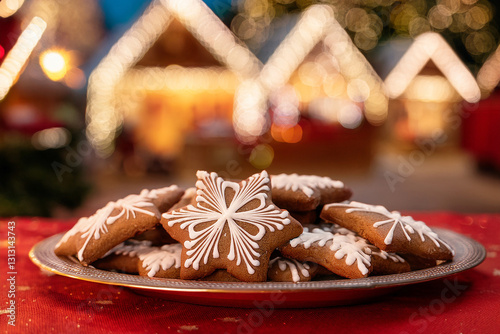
[
  {"x": 465, "y": 21},
  {"x": 19, "y": 54},
  {"x": 426, "y": 47},
  {"x": 489, "y": 74},
  {"x": 363, "y": 83},
  {"x": 103, "y": 118},
  {"x": 138, "y": 82},
  {"x": 250, "y": 109},
  {"x": 10, "y": 7},
  {"x": 316, "y": 24}
]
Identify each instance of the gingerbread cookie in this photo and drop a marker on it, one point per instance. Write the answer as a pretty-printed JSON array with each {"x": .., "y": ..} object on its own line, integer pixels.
[
  {"x": 157, "y": 235},
  {"x": 118, "y": 221},
  {"x": 290, "y": 270},
  {"x": 220, "y": 276},
  {"x": 124, "y": 257},
  {"x": 233, "y": 226},
  {"x": 383, "y": 263},
  {"x": 164, "y": 262},
  {"x": 336, "y": 252},
  {"x": 163, "y": 198},
  {"x": 389, "y": 231},
  {"x": 306, "y": 192},
  {"x": 417, "y": 262},
  {"x": 305, "y": 217},
  {"x": 186, "y": 199}
]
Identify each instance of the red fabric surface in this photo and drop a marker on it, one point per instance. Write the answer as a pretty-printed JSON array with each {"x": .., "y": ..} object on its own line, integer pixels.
[
  {"x": 480, "y": 131},
  {"x": 56, "y": 304}
]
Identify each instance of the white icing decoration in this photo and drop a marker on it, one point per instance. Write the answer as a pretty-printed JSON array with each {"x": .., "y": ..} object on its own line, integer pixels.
[
  {"x": 342, "y": 245},
  {"x": 367, "y": 246},
  {"x": 93, "y": 226},
  {"x": 131, "y": 248},
  {"x": 304, "y": 183},
  {"x": 211, "y": 208},
  {"x": 407, "y": 223},
  {"x": 164, "y": 257},
  {"x": 190, "y": 192},
  {"x": 156, "y": 193},
  {"x": 294, "y": 265}
]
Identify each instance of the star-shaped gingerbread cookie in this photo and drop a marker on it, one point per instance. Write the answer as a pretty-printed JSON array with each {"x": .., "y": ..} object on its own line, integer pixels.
[{"x": 233, "y": 226}]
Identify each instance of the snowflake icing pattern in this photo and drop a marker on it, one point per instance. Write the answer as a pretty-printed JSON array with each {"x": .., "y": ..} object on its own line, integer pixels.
[
  {"x": 212, "y": 208},
  {"x": 407, "y": 223},
  {"x": 342, "y": 245},
  {"x": 97, "y": 224}
]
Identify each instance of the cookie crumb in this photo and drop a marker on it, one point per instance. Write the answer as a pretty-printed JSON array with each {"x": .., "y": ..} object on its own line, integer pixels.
[
  {"x": 187, "y": 328},
  {"x": 230, "y": 319},
  {"x": 104, "y": 302}
]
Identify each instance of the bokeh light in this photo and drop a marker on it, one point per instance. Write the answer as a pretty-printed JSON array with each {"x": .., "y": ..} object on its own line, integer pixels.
[
  {"x": 55, "y": 63},
  {"x": 261, "y": 156},
  {"x": 16, "y": 58},
  {"x": 51, "y": 138},
  {"x": 10, "y": 7}
]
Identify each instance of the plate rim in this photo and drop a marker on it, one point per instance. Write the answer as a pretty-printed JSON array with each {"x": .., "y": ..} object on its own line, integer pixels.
[{"x": 457, "y": 241}]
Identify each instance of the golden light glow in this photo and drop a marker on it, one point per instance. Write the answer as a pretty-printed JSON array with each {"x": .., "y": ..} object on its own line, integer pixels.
[
  {"x": 19, "y": 54},
  {"x": 286, "y": 134},
  {"x": 174, "y": 80},
  {"x": 261, "y": 156},
  {"x": 55, "y": 63},
  {"x": 431, "y": 88},
  {"x": 51, "y": 138},
  {"x": 103, "y": 118},
  {"x": 426, "y": 47},
  {"x": 363, "y": 83},
  {"x": 10, "y": 7},
  {"x": 489, "y": 74},
  {"x": 348, "y": 71},
  {"x": 251, "y": 100},
  {"x": 337, "y": 111},
  {"x": 250, "y": 110}
]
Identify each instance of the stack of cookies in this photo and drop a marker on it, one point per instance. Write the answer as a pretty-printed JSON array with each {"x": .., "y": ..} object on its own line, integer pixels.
[{"x": 287, "y": 228}]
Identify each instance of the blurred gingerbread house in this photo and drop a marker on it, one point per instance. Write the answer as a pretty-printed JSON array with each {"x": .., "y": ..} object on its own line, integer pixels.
[
  {"x": 317, "y": 92},
  {"x": 172, "y": 72},
  {"x": 426, "y": 88},
  {"x": 315, "y": 71}
]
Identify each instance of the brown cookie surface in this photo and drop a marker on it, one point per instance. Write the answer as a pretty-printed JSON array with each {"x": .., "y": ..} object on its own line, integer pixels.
[
  {"x": 305, "y": 217},
  {"x": 389, "y": 231},
  {"x": 220, "y": 275},
  {"x": 157, "y": 235},
  {"x": 232, "y": 226},
  {"x": 306, "y": 192},
  {"x": 94, "y": 236},
  {"x": 290, "y": 270},
  {"x": 124, "y": 257},
  {"x": 186, "y": 199},
  {"x": 336, "y": 252},
  {"x": 164, "y": 198},
  {"x": 417, "y": 262}
]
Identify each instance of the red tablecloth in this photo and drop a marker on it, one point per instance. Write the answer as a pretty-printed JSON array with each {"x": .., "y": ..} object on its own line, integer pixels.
[{"x": 56, "y": 304}]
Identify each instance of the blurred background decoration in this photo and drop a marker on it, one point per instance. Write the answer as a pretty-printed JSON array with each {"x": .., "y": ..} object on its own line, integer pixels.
[{"x": 118, "y": 95}]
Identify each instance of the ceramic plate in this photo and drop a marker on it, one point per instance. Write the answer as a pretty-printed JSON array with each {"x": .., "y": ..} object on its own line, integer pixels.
[{"x": 468, "y": 254}]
